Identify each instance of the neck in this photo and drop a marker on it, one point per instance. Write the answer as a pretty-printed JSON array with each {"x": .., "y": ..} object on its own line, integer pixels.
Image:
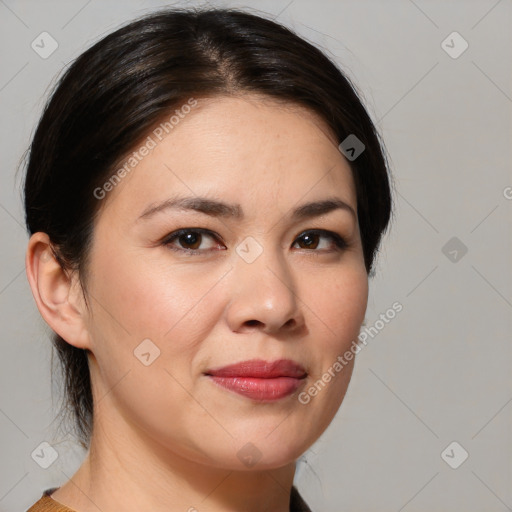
[{"x": 129, "y": 471}]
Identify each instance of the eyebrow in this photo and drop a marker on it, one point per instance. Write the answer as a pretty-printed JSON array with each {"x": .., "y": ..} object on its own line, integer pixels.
[{"x": 216, "y": 208}]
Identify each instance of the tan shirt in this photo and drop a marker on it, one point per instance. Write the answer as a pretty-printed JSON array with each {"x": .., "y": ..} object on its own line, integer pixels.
[{"x": 48, "y": 504}]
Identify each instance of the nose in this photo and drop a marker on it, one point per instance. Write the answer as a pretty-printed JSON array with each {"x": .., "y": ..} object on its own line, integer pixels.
[{"x": 264, "y": 296}]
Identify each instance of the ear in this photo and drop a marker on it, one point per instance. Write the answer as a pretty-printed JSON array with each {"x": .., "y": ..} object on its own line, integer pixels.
[{"x": 58, "y": 295}]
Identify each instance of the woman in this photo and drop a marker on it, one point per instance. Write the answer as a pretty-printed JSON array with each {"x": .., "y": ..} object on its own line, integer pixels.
[{"x": 205, "y": 195}]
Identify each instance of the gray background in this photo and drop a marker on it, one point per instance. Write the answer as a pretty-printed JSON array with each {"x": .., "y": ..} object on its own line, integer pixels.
[{"x": 440, "y": 371}]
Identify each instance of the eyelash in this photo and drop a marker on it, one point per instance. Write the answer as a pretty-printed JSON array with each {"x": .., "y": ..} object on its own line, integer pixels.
[{"x": 338, "y": 240}]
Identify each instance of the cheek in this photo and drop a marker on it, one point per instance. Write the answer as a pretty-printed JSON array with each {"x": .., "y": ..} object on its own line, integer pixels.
[
  {"x": 339, "y": 305},
  {"x": 337, "y": 312},
  {"x": 152, "y": 299}
]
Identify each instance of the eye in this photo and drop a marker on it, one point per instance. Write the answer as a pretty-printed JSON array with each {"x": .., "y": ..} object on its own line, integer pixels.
[
  {"x": 310, "y": 240},
  {"x": 189, "y": 240}
]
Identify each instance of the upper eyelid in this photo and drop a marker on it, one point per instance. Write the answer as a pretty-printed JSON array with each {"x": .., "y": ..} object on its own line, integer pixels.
[{"x": 203, "y": 231}]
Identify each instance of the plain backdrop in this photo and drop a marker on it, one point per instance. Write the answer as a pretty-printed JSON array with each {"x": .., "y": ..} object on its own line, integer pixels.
[{"x": 440, "y": 372}]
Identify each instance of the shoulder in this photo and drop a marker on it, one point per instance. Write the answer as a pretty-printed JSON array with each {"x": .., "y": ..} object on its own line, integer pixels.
[
  {"x": 297, "y": 504},
  {"x": 47, "y": 504}
]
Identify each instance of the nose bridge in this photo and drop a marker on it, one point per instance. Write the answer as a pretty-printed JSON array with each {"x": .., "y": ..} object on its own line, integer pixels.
[{"x": 264, "y": 291}]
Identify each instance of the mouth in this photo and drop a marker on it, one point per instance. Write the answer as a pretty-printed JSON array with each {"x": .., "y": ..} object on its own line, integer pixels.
[{"x": 260, "y": 380}]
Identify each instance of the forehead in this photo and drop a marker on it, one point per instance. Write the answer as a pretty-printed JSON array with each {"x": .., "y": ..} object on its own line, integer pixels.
[{"x": 231, "y": 146}]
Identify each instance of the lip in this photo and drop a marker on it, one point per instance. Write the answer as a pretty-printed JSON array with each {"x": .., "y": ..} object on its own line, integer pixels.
[
  {"x": 260, "y": 380},
  {"x": 261, "y": 369}
]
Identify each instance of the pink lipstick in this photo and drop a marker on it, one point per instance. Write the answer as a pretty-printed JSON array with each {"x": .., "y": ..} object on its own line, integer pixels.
[{"x": 260, "y": 380}]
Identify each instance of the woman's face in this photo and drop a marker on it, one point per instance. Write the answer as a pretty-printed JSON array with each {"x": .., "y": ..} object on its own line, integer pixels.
[{"x": 244, "y": 281}]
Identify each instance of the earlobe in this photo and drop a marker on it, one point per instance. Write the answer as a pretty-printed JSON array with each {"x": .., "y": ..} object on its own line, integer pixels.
[{"x": 53, "y": 290}]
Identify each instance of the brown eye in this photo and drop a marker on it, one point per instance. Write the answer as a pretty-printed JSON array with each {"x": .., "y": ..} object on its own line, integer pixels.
[
  {"x": 311, "y": 240},
  {"x": 190, "y": 240}
]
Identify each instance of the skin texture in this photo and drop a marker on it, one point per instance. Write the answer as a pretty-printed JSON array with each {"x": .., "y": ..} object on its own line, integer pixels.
[{"x": 165, "y": 436}]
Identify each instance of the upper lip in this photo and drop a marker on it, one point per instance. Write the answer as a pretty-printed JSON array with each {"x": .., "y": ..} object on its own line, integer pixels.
[{"x": 261, "y": 369}]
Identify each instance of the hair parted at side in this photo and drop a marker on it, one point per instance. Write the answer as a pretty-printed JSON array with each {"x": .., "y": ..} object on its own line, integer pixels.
[{"x": 116, "y": 91}]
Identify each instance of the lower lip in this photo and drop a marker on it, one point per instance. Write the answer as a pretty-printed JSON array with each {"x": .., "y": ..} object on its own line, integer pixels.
[{"x": 259, "y": 389}]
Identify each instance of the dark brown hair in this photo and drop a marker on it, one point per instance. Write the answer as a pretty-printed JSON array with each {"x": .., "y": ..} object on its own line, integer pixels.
[{"x": 114, "y": 93}]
